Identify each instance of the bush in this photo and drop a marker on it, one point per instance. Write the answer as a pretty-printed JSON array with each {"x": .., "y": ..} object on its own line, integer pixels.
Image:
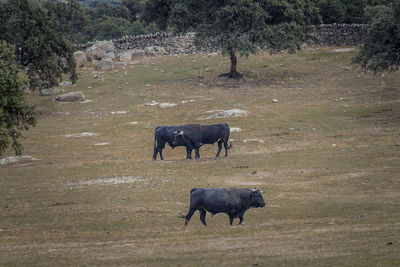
[{"x": 15, "y": 112}]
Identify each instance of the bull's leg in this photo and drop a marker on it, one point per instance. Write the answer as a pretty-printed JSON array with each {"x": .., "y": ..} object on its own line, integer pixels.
[
  {"x": 189, "y": 215},
  {"x": 219, "y": 148},
  {"x": 197, "y": 150},
  {"x": 203, "y": 214},
  {"x": 188, "y": 153},
  {"x": 155, "y": 151},
  {"x": 241, "y": 220},
  {"x": 158, "y": 149},
  {"x": 231, "y": 218},
  {"x": 226, "y": 147}
]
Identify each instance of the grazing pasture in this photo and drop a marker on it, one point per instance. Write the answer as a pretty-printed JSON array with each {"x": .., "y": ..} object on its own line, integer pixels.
[{"x": 319, "y": 136}]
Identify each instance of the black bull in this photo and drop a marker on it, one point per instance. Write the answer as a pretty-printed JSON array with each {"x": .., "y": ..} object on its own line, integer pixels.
[
  {"x": 232, "y": 201},
  {"x": 165, "y": 134},
  {"x": 196, "y": 135}
]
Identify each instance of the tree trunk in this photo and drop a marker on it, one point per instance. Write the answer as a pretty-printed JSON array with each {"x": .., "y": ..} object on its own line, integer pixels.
[{"x": 233, "y": 72}]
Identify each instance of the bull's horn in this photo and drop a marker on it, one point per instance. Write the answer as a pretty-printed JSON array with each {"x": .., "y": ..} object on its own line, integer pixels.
[
  {"x": 262, "y": 192},
  {"x": 255, "y": 189}
]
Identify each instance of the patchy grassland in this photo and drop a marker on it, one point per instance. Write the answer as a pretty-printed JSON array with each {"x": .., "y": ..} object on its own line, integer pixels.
[{"x": 329, "y": 164}]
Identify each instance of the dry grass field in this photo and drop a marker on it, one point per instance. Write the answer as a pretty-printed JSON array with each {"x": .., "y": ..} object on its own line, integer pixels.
[{"x": 327, "y": 154}]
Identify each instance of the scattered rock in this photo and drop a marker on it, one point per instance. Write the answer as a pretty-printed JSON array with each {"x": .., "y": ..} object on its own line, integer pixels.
[
  {"x": 125, "y": 56},
  {"x": 101, "y": 50},
  {"x": 65, "y": 84},
  {"x": 84, "y": 134},
  {"x": 132, "y": 122},
  {"x": 187, "y": 101},
  {"x": 101, "y": 144},
  {"x": 17, "y": 159},
  {"x": 167, "y": 105},
  {"x": 71, "y": 97},
  {"x": 274, "y": 100},
  {"x": 104, "y": 64},
  {"x": 253, "y": 140},
  {"x": 232, "y": 113},
  {"x": 48, "y": 92},
  {"x": 341, "y": 50},
  {"x": 155, "y": 51},
  {"x": 80, "y": 59},
  {"x": 106, "y": 181},
  {"x": 152, "y": 103},
  {"x": 147, "y": 85},
  {"x": 235, "y": 130},
  {"x": 118, "y": 112},
  {"x": 138, "y": 53}
]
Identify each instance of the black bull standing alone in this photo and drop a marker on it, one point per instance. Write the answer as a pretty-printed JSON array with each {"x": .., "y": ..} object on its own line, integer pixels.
[
  {"x": 232, "y": 201},
  {"x": 194, "y": 136}
]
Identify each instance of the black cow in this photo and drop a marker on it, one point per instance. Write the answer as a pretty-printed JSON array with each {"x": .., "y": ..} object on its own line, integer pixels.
[
  {"x": 234, "y": 202},
  {"x": 165, "y": 134},
  {"x": 196, "y": 135}
]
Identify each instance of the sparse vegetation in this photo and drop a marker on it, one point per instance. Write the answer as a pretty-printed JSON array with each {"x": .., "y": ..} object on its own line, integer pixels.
[{"x": 328, "y": 162}]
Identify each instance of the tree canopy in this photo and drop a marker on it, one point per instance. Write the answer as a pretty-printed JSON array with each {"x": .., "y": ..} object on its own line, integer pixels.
[
  {"x": 16, "y": 114},
  {"x": 244, "y": 26},
  {"x": 41, "y": 48},
  {"x": 380, "y": 50}
]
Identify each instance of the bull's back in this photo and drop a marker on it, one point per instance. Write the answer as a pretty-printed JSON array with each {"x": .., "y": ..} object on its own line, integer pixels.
[
  {"x": 214, "y": 132},
  {"x": 216, "y": 199}
]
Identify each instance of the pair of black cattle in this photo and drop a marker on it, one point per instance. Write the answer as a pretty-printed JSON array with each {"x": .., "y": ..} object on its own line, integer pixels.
[
  {"x": 232, "y": 201},
  {"x": 192, "y": 136}
]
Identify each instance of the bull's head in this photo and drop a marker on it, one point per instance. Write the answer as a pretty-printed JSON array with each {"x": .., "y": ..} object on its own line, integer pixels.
[
  {"x": 178, "y": 139},
  {"x": 257, "y": 198}
]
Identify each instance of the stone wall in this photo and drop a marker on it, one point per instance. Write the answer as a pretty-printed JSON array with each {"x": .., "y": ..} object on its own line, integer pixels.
[
  {"x": 339, "y": 34},
  {"x": 326, "y": 34}
]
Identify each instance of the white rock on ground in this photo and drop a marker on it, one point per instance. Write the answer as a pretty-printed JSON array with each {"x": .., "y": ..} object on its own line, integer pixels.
[
  {"x": 341, "y": 50},
  {"x": 232, "y": 113},
  {"x": 119, "y": 112},
  {"x": 71, "y": 97},
  {"x": 167, "y": 105},
  {"x": 235, "y": 130},
  {"x": 152, "y": 103},
  {"x": 101, "y": 50},
  {"x": 104, "y": 64},
  {"x": 16, "y": 159},
  {"x": 84, "y": 134},
  {"x": 101, "y": 144},
  {"x": 125, "y": 56},
  {"x": 80, "y": 59},
  {"x": 253, "y": 140}
]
